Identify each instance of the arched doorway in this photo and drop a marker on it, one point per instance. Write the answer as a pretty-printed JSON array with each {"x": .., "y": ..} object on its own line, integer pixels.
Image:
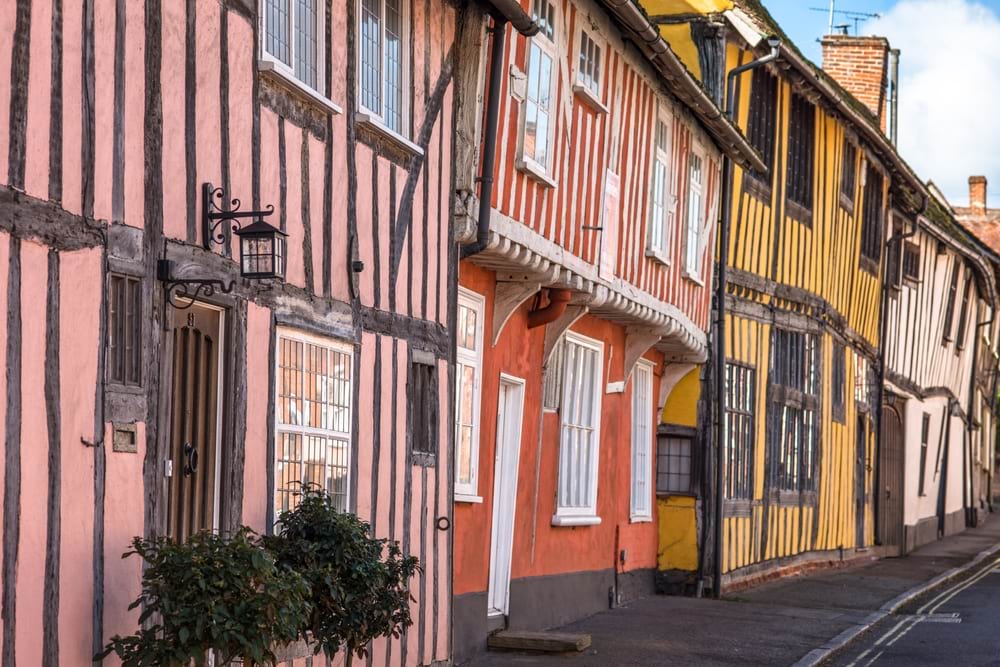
[{"x": 890, "y": 479}]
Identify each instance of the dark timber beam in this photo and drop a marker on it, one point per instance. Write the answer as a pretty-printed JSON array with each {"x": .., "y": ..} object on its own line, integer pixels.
[{"x": 30, "y": 218}]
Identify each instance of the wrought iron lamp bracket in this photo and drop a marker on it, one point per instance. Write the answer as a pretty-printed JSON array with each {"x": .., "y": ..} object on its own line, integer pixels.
[
  {"x": 214, "y": 218},
  {"x": 182, "y": 292}
]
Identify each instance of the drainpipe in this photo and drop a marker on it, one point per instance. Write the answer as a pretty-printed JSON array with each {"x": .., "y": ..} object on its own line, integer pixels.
[
  {"x": 558, "y": 298},
  {"x": 893, "y": 94},
  {"x": 510, "y": 11},
  {"x": 490, "y": 140},
  {"x": 970, "y": 412},
  {"x": 720, "y": 324},
  {"x": 883, "y": 332},
  {"x": 943, "y": 481}
]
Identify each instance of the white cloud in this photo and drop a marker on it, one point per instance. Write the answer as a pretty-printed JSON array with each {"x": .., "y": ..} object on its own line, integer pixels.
[{"x": 949, "y": 90}]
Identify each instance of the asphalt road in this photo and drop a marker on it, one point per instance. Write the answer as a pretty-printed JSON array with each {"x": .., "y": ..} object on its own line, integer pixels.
[{"x": 958, "y": 624}]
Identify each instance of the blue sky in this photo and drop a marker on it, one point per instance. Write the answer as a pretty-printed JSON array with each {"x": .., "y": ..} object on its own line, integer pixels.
[
  {"x": 806, "y": 26},
  {"x": 949, "y": 80}
]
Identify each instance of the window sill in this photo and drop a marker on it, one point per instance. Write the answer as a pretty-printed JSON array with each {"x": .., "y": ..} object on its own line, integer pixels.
[
  {"x": 562, "y": 520},
  {"x": 122, "y": 388},
  {"x": 757, "y": 188},
  {"x": 269, "y": 67},
  {"x": 423, "y": 459},
  {"x": 640, "y": 519},
  {"x": 798, "y": 212},
  {"x": 398, "y": 141},
  {"x": 535, "y": 171},
  {"x": 793, "y": 498},
  {"x": 468, "y": 498},
  {"x": 869, "y": 265},
  {"x": 658, "y": 256},
  {"x": 738, "y": 507},
  {"x": 590, "y": 98},
  {"x": 693, "y": 277}
]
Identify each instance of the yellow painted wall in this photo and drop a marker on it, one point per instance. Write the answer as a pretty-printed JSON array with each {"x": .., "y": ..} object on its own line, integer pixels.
[
  {"x": 678, "y": 36},
  {"x": 666, "y": 7},
  {"x": 681, "y": 406},
  {"x": 678, "y": 548},
  {"x": 773, "y": 530}
]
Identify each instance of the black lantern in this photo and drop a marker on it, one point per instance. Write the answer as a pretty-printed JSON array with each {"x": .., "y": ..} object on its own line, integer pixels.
[
  {"x": 262, "y": 250},
  {"x": 262, "y": 245}
]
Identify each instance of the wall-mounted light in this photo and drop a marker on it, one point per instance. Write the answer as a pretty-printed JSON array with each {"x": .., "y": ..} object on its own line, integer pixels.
[
  {"x": 262, "y": 250},
  {"x": 262, "y": 245}
]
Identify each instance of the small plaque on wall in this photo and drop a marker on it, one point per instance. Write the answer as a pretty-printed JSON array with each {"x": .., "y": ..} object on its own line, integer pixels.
[{"x": 125, "y": 438}]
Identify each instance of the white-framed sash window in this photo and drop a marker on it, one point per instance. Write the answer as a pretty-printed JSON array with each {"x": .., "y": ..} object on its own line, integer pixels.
[
  {"x": 468, "y": 386},
  {"x": 383, "y": 65},
  {"x": 580, "y": 431},
  {"x": 662, "y": 198},
  {"x": 695, "y": 214},
  {"x": 312, "y": 417},
  {"x": 641, "y": 504},
  {"x": 588, "y": 73},
  {"x": 538, "y": 118},
  {"x": 292, "y": 40}
]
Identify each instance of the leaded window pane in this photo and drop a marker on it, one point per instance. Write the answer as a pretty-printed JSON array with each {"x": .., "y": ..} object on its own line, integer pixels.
[{"x": 313, "y": 414}]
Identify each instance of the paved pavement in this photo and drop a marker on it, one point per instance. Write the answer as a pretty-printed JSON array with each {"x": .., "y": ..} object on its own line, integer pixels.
[{"x": 775, "y": 624}]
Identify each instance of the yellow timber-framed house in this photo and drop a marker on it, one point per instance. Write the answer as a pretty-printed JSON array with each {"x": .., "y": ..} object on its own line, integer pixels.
[{"x": 806, "y": 468}]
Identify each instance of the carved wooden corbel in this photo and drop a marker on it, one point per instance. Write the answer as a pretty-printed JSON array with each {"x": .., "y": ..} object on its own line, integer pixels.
[
  {"x": 508, "y": 298},
  {"x": 555, "y": 329},
  {"x": 638, "y": 341}
]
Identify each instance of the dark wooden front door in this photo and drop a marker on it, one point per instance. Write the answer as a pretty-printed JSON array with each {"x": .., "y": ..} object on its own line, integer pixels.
[
  {"x": 194, "y": 421},
  {"x": 890, "y": 515}
]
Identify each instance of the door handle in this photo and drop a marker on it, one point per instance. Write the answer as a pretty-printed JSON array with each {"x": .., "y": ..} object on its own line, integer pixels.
[{"x": 191, "y": 459}]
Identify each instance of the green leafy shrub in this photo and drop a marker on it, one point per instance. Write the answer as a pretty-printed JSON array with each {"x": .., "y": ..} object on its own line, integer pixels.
[
  {"x": 360, "y": 585},
  {"x": 212, "y": 593}
]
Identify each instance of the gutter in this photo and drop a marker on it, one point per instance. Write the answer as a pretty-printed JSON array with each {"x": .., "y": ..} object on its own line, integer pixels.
[
  {"x": 861, "y": 123},
  {"x": 512, "y": 12},
  {"x": 686, "y": 87}
]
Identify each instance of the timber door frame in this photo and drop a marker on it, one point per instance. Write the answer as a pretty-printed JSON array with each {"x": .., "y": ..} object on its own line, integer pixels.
[
  {"x": 889, "y": 530},
  {"x": 224, "y": 417},
  {"x": 506, "y": 381}
]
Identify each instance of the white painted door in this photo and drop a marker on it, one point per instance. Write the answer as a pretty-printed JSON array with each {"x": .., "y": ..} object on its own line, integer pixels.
[{"x": 508, "y": 450}]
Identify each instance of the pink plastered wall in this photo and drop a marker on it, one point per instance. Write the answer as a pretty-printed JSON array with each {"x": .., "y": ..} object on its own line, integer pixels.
[
  {"x": 34, "y": 455},
  {"x": 79, "y": 339},
  {"x": 255, "y": 497},
  {"x": 36, "y": 168},
  {"x": 8, "y": 14},
  {"x": 124, "y": 495}
]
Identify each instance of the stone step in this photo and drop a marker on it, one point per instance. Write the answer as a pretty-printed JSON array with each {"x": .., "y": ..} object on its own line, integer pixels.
[{"x": 550, "y": 642}]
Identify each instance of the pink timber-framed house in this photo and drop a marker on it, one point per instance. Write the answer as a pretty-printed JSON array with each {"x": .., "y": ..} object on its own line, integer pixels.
[{"x": 138, "y": 402}]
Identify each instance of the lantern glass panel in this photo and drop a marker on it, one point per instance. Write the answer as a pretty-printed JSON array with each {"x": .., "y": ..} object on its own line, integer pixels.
[
  {"x": 279, "y": 256},
  {"x": 258, "y": 254}
]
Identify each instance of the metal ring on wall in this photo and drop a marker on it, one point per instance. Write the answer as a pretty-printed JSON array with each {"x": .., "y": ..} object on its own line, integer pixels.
[{"x": 447, "y": 523}]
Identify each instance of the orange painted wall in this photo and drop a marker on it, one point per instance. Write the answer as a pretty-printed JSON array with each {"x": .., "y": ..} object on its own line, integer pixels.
[{"x": 554, "y": 550}]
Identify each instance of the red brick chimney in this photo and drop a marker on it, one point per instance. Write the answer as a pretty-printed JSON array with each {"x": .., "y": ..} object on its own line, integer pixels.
[
  {"x": 977, "y": 194},
  {"x": 859, "y": 64}
]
